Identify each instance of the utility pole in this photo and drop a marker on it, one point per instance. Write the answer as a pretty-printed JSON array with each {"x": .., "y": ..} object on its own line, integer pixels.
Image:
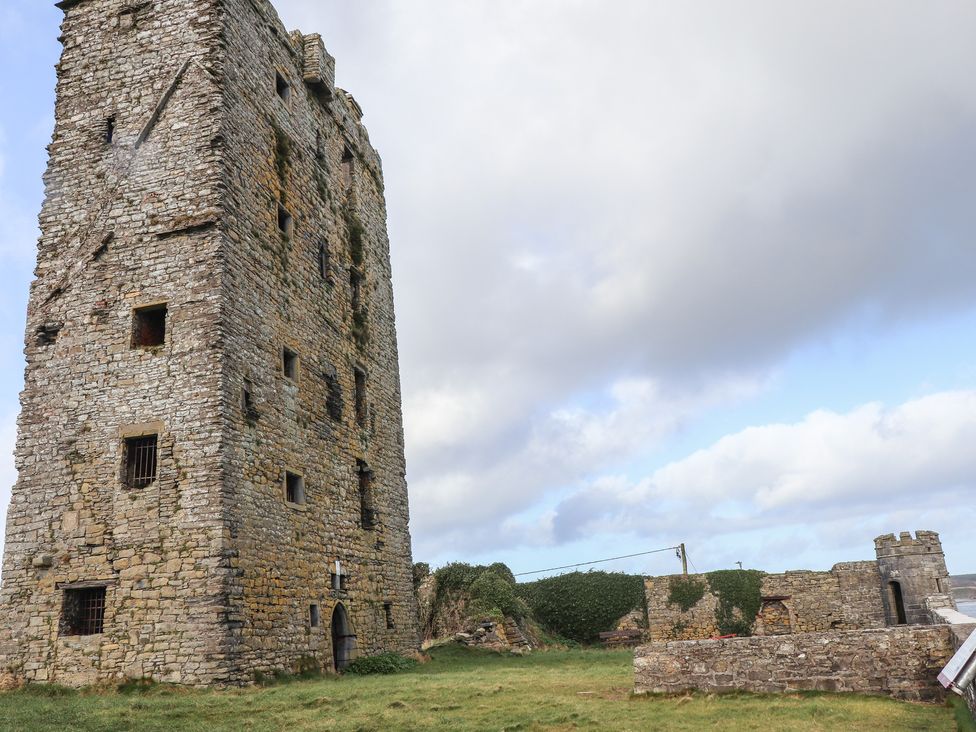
[{"x": 684, "y": 561}]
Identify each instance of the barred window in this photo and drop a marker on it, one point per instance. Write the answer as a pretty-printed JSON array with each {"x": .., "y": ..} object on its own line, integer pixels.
[
  {"x": 83, "y": 611},
  {"x": 140, "y": 460}
]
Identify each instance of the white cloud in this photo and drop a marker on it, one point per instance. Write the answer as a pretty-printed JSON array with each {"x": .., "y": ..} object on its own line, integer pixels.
[
  {"x": 838, "y": 471},
  {"x": 585, "y": 193}
]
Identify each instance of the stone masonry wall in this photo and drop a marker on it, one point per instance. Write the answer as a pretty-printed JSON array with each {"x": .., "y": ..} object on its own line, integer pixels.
[
  {"x": 174, "y": 145},
  {"x": 308, "y": 153},
  {"x": 915, "y": 568},
  {"x": 846, "y": 598},
  {"x": 115, "y": 237},
  {"x": 903, "y": 662}
]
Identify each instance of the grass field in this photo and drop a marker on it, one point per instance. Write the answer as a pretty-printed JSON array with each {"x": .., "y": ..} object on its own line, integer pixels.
[{"x": 460, "y": 690}]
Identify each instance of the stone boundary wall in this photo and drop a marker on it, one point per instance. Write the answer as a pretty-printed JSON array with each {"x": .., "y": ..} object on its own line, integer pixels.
[
  {"x": 848, "y": 597},
  {"x": 903, "y": 662}
]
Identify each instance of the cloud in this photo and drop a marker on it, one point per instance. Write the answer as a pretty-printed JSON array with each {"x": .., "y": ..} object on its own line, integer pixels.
[
  {"x": 584, "y": 194},
  {"x": 833, "y": 472}
]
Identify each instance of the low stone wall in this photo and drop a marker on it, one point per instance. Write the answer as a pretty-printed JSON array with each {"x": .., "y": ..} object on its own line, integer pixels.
[{"x": 903, "y": 662}]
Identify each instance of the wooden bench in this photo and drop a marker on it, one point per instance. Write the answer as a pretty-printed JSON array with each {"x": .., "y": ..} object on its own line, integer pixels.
[{"x": 621, "y": 638}]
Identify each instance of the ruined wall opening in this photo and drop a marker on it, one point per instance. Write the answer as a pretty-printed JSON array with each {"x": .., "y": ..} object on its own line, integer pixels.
[
  {"x": 139, "y": 460},
  {"x": 896, "y": 603},
  {"x": 83, "y": 611},
  {"x": 286, "y": 222},
  {"x": 343, "y": 639},
  {"x": 149, "y": 326},
  {"x": 294, "y": 488}
]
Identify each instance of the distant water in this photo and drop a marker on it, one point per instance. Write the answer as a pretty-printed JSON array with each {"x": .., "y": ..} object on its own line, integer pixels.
[{"x": 969, "y": 608}]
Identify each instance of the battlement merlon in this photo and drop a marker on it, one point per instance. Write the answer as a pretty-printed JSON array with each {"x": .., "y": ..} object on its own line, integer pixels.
[{"x": 924, "y": 542}]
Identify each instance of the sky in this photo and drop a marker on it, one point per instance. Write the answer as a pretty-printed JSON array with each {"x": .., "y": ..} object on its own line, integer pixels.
[{"x": 697, "y": 272}]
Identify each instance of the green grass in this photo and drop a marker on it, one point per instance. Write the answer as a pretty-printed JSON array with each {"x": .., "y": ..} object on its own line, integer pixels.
[{"x": 460, "y": 690}]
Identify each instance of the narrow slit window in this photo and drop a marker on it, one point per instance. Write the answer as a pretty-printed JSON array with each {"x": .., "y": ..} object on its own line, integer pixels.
[
  {"x": 289, "y": 364},
  {"x": 356, "y": 290},
  {"x": 367, "y": 511},
  {"x": 110, "y": 130},
  {"x": 83, "y": 611},
  {"x": 247, "y": 401},
  {"x": 348, "y": 166},
  {"x": 149, "y": 327},
  {"x": 388, "y": 609},
  {"x": 361, "y": 408},
  {"x": 294, "y": 488},
  {"x": 282, "y": 87},
  {"x": 140, "y": 460},
  {"x": 286, "y": 223},
  {"x": 314, "y": 616},
  {"x": 319, "y": 147}
]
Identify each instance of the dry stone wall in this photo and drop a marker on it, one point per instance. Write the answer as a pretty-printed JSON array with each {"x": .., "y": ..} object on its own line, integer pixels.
[
  {"x": 203, "y": 159},
  {"x": 903, "y": 662}
]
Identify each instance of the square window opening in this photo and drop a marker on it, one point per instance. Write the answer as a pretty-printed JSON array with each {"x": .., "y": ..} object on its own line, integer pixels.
[
  {"x": 286, "y": 223},
  {"x": 294, "y": 488},
  {"x": 140, "y": 460},
  {"x": 149, "y": 327},
  {"x": 83, "y": 611},
  {"x": 282, "y": 87},
  {"x": 289, "y": 364},
  {"x": 314, "y": 616}
]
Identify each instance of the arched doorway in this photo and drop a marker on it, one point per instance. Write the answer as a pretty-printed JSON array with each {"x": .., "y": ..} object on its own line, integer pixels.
[
  {"x": 343, "y": 639},
  {"x": 897, "y": 602}
]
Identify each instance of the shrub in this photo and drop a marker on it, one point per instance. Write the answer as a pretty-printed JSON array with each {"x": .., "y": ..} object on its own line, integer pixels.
[
  {"x": 383, "y": 663},
  {"x": 685, "y": 592},
  {"x": 581, "y": 605},
  {"x": 421, "y": 571},
  {"x": 737, "y": 590},
  {"x": 492, "y": 591}
]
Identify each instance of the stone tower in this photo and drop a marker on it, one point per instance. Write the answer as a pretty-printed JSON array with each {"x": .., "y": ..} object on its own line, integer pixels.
[
  {"x": 912, "y": 569},
  {"x": 211, "y": 471}
]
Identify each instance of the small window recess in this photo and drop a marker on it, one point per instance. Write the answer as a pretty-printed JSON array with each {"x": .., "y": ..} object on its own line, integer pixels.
[
  {"x": 294, "y": 488},
  {"x": 83, "y": 611},
  {"x": 361, "y": 407},
  {"x": 314, "y": 616},
  {"x": 282, "y": 87},
  {"x": 388, "y": 609},
  {"x": 286, "y": 222},
  {"x": 320, "y": 155},
  {"x": 140, "y": 460},
  {"x": 109, "y": 135},
  {"x": 289, "y": 364},
  {"x": 149, "y": 327}
]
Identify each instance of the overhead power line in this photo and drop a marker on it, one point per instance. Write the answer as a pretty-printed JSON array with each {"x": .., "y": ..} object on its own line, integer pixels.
[{"x": 598, "y": 561}]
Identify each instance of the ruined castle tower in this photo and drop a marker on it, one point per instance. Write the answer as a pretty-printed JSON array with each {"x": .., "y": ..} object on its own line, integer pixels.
[
  {"x": 912, "y": 569},
  {"x": 211, "y": 472}
]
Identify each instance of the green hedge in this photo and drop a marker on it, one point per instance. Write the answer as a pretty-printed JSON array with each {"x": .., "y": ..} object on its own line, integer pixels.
[
  {"x": 581, "y": 605},
  {"x": 737, "y": 590},
  {"x": 491, "y": 589}
]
